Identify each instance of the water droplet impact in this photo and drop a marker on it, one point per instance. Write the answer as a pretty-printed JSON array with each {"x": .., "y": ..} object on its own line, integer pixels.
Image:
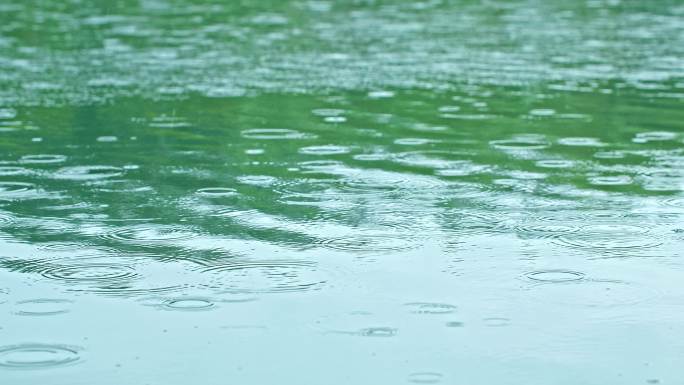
[
  {"x": 382, "y": 332},
  {"x": 88, "y": 172},
  {"x": 425, "y": 378},
  {"x": 581, "y": 142},
  {"x": 521, "y": 142},
  {"x": 217, "y": 192},
  {"x": 324, "y": 150},
  {"x": 257, "y": 180},
  {"x": 188, "y": 304},
  {"x": 654, "y": 136},
  {"x": 264, "y": 276},
  {"x": 496, "y": 322},
  {"x": 555, "y": 163},
  {"x": 37, "y": 356},
  {"x": 275, "y": 134},
  {"x": 616, "y": 180},
  {"x": 431, "y": 308},
  {"x": 610, "y": 237},
  {"x": 43, "y": 307},
  {"x": 42, "y": 159},
  {"x": 555, "y": 276}
]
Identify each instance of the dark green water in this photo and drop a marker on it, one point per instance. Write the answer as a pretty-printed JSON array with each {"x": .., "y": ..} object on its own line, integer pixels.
[{"x": 369, "y": 192}]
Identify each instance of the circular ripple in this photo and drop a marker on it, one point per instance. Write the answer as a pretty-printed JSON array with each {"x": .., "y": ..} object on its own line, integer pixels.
[
  {"x": 6, "y": 219},
  {"x": 522, "y": 142},
  {"x": 150, "y": 234},
  {"x": 188, "y": 304},
  {"x": 257, "y": 180},
  {"x": 91, "y": 273},
  {"x": 264, "y": 277},
  {"x": 324, "y": 150},
  {"x": 610, "y": 236},
  {"x": 216, "y": 192},
  {"x": 88, "y": 172},
  {"x": 37, "y": 356},
  {"x": 555, "y": 276},
  {"x": 370, "y": 243},
  {"x": 425, "y": 378},
  {"x": 617, "y": 180},
  {"x": 654, "y": 136},
  {"x": 275, "y": 134},
  {"x": 581, "y": 142},
  {"x": 431, "y": 308},
  {"x": 42, "y": 159},
  {"x": 555, "y": 163},
  {"x": 10, "y": 171},
  {"x": 595, "y": 293},
  {"x": 13, "y": 188},
  {"x": 544, "y": 230},
  {"x": 43, "y": 307}
]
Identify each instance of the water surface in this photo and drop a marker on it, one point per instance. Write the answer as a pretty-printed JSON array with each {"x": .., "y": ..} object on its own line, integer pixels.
[{"x": 309, "y": 192}]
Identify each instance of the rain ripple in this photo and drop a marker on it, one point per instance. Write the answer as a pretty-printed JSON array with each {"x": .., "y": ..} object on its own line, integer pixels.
[{"x": 38, "y": 356}]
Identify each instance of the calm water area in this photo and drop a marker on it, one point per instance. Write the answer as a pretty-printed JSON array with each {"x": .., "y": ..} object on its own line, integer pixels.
[{"x": 332, "y": 193}]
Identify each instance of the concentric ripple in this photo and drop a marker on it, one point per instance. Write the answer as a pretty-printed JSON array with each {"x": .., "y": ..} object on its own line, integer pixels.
[
  {"x": 425, "y": 377},
  {"x": 43, "y": 307},
  {"x": 98, "y": 273},
  {"x": 370, "y": 243},
  {"x": 324, "y": 150},
  {"x": 188, "y": 304},
  {"x": 555, "y": 276},
  {"x": 431, "y": 308},
  {"x": 11, "y": 170},
  {"x": 38, "y": 356},
  {"x": 88, "y": 172},
  {"x": 610, "y": 237},
  {"x": 275, "y": 134},
  {"x": 216, "y": 192},
  {"x": 150, "y": 234},
  {"x": 264, "y": 276},
  {"x": 42, "y": 159}
]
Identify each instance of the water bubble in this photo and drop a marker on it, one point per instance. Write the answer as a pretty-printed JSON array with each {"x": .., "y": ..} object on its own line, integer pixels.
[
  {"x": 324, "y": 150},
  {"x": 37, "y": 356},
  {"x": 88, "y": 172},
  {"x": 425, "y": 378},
  {"x": 454, "y": 324},
  {"x": 43, "y": 307},
  {"x": 275, "y": 134},
  {"x": 431, "y": 308},
  {"x": 42, "y": 159},
  {"x": 254, "y": 151},
  {"x": 264, "y": 276},
  {"x": 188, "y": 304},
  {"x": 555, "y": 276}
]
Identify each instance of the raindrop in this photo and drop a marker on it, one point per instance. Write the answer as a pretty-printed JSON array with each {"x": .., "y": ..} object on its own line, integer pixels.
[
  {"x": 38, "y": 356},
  {"x": 425, "y": 378},
  {"x": 88, "y": 172},
  {"x": 43, "y": 307},
  {"x": 431, "y": 308},
  {"x": 275, "y": 134},
  {"x": 555, "y": 276},
  {"x": 324, "y": 150}
]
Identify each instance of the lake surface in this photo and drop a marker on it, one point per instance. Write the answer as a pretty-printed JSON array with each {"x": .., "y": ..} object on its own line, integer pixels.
[{"x": 307, "y": 192}]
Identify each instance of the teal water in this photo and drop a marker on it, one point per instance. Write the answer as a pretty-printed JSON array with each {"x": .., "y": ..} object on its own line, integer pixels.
[{"x": 363, "y": 192}]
